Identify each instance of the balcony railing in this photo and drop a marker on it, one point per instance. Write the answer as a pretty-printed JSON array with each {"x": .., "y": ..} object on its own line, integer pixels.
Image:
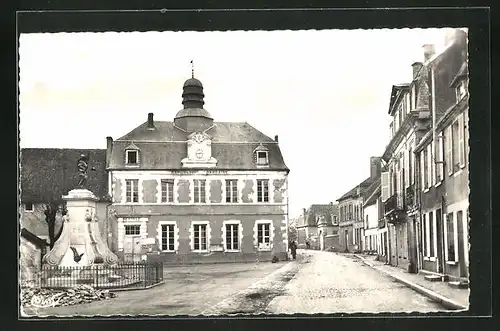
[{"x": 395, "y": 202}]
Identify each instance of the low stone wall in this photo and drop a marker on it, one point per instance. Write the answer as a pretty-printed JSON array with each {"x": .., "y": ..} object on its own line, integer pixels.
[{"x": 214, "y": 257}]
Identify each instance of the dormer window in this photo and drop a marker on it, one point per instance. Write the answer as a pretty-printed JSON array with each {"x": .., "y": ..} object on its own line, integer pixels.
[
  {"x": 461, "y": 90},
  {"x": 132, "y": 155},
  {"x": 261, "y": 156}
]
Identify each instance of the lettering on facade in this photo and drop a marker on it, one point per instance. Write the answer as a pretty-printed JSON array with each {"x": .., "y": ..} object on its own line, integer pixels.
[{"x": 194, "y": 172}]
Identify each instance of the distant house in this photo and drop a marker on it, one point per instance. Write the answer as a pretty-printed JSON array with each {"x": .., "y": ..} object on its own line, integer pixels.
[
  {"x": 49, "y": 173},
  {"x": 320, "y": 226},
  {"x": 375, "y": 230},
  {"x": 351, "y": 224}
]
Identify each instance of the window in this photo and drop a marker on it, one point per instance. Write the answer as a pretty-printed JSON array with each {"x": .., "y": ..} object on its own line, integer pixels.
[
  {"x": 391, "y": 128},
  {"x": 167, "y": 237},
  {"x": 231, "y": 190},
  {"x": 263, "y": 234},
  {"x": 232, "y": 237},
  {"x": 461, "y": 90},
  {"x": 132, "y": 190},
  {"x": 450, "y": 238},
  {"x": 199, "y": 191},
  {"x": 132, "y": 157},
  {"x": 28, "y": 206},
  {"x": 132, "y": 230},
  {"x": 335, "y": 221},
  {"x": 167, "y": 190},
  {"x": 200, "y": 237},
  {"x": 262, "y": 158},
  {"x": 262, "y": 190},
  {"x": 431, "y": 233}
]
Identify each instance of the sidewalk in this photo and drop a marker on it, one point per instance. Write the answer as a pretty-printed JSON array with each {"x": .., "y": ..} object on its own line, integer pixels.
[{"x": 449, "y": 297}]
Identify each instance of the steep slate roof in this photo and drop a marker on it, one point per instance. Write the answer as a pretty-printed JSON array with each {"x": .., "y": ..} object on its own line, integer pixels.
[
  {"x": 463, "y": 72},
  {"x": 49, "y": 173},
  {"x": 326, "y": 210},
  {"x": 372, "y": 193},
  {"x": 354, "y": 191},
  {"x": 164, "y": 148}
]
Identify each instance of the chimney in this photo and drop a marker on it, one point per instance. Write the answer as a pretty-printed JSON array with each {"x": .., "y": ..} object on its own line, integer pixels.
[
  {"x": 429, "y": 51},
  {"x": 276, "y": 138},
  {"x": 375, "y": 167},
  {"x": 109, "y": 148},
  {"x": 151, "y": 123},
  {"x": 416, "y": 68}
]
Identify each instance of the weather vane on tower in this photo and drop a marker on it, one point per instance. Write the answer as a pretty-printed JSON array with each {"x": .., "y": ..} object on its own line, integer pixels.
[{"x": 192, "y": 69}]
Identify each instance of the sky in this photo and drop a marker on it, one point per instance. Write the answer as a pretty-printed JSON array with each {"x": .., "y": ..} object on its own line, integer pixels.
[{"x": 325, "y": 93}]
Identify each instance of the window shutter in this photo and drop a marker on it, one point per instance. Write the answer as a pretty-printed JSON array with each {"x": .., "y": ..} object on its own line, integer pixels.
[
  {"x": 430, "y": 161},
  {"x": 422, "y": 169},
  {"x": 440, "y": 149},
  {"x": 385, "y": 186},
  {"x": 406, "y": 162},
  {"x": 449, "y": 150},
  {"x": 461, "y": 148}
]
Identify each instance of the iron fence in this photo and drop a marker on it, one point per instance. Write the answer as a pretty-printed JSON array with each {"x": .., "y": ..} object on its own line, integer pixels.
[{"x": 123, "y": 275}]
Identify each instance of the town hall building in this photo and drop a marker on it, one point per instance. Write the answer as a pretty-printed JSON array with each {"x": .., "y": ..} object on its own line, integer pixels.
[{"x": 197, "y": 190}]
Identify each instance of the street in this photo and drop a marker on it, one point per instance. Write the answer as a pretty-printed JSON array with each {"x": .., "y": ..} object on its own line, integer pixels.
[
  {"x": 336, "y": 283},
  {"x": 318, "y": 282}
]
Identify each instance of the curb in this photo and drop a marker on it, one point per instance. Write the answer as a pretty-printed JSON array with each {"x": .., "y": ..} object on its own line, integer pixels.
[{"x": 445, "y": 302}]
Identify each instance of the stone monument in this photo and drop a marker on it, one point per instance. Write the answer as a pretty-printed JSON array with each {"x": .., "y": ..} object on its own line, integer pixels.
[{"x": 80, "y": 243}]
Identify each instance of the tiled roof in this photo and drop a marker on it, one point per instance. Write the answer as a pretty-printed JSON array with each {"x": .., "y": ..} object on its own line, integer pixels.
[
  {"x": 49, "y": 173},
  {"x": 354, "y": 191},
  {"x": 233, "y": 145},
  {"x": 327, "y": 211}
]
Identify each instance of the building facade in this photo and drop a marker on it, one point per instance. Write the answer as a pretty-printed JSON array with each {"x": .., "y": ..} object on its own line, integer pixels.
[
  {"x": 443, "y": 158},
  {"x": 352, "y": 223},
  {"x": 196, "y": 190},
  {"x": 373, "y": 214},
  {"x": 410, "y": 113}
]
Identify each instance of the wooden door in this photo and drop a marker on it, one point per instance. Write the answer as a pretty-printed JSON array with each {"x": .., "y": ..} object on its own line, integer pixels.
[
  {"x": 132, "y": 249},
  {"x": 440, "y": 239}
]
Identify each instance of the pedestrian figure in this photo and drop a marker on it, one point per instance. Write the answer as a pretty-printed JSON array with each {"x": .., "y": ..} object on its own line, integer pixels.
[
  {"x": 293, "y": 249},
  {"x": 308, "y": 245}
]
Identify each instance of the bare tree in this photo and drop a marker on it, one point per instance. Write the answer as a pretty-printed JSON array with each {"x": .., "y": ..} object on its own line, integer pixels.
[{"x": 51, "y": 210}]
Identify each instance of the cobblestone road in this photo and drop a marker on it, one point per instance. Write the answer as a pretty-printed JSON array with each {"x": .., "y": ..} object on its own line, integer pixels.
[{"x": 337, "y": 283}]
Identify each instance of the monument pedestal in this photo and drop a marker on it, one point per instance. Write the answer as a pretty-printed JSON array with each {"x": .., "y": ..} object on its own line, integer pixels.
[{"x": 80, "y": 243}]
